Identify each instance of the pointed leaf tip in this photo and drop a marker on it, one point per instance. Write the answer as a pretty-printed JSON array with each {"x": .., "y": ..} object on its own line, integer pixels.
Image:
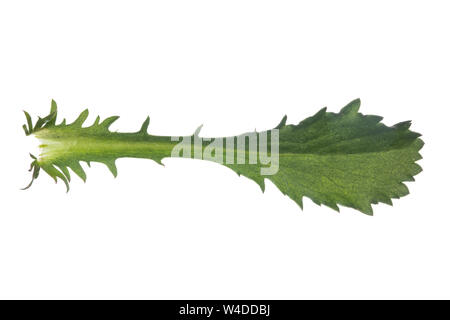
[
  {"x": 322, "y": 112},
  {"x": 96, "y": 122},
  {"x": 197, "y": 131},
  {"x": 53, "y": 172},
  {"x": 52, "y": 115},
  {"x": 29, "y": 122},
  {"x": 144, "y": 126},
  {"x": 404, "y": 125},
  {"x": 352, "y": 107},
  {"x": 333, "y": 206},
  {"x": 65, "y": 171},
  {"x": 78, "y": 169},
  {"x": 81, "y": 118},
  {"x": 282, "y": 123},
  {"x": 53, "y": 107},
  {"x": 108, "y": 121},
  {"x": 298, "y": 201},
  {"x": 111, "y": 164}
]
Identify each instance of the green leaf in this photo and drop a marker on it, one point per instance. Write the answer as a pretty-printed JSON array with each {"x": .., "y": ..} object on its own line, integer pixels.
[
  {"x": 343, "y": 158},
  {"x": 347, "y": 158}
]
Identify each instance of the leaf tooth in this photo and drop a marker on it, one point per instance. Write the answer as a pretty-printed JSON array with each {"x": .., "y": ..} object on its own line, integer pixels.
[
  {"x": 25, "y": 129},
  {"x": 403, "y": 126},
  {"x": 197, "y": 131},
  {"x": 420, "y": 145},
  {"x": 158, "y": 160},
  {"x": 415, "y": 169},
  {"x": 373, "y": 119},
  {"x": 54, "y": 112},
  {"x": 282, "y": 123},
  {"x": 78, "y": 169},
  {"x": 42, "y": 122},
  {"x": 96, "y": 122},
  {"x": 319, "y": 114},
  {"x": 38, "y": 124},
  {"x": 352, "y": 108},
  {"x": 332, "y": 205},
  {"x": 64, "y": 170},
  {"x": 366, "y": 208},
  {"x": 108, "y": 121},
  {"x": 298, "y": 201},
  {"x": 144, "y": 126},
  {"x": 383, "y": 198},
  {"x": 111, "y": 164},
  {"x": 311, "y": 120},
  {"x": 395, "y": 196},
  {"x": 81, "y": 118},
  {"x": 29, "y": 122},
  {"x": 403, "y": 190},
  {"x": 386, "y": 200},
  {"x": 260, "y": 183},
  {"x": 55, "y": 173},
  {"x": 53, "y": 107}
]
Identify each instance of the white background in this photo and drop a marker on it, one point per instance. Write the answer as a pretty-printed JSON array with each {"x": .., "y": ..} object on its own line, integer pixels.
[{"x": 193, "y": 229}]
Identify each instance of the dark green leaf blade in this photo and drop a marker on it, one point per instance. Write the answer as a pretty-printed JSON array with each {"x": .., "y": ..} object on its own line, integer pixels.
[{"x": 346, "y": 159}]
